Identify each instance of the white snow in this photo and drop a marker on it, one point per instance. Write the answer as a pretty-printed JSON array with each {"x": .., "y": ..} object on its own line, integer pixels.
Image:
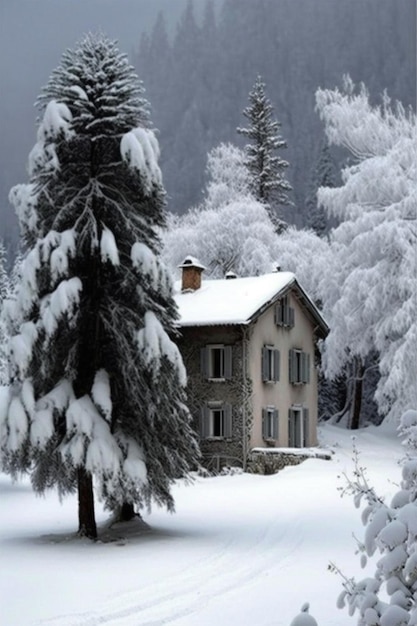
[
  {"x": 139, "y": 148},
  {"x": 62, "y": 301},
  {"x": 155, "y": 344},
  {"x": 101, "y": 393},
  {"x": 240, "y": 549},
  {"x": 108, "y": 247},
  {"x": 229, "y": 301}
]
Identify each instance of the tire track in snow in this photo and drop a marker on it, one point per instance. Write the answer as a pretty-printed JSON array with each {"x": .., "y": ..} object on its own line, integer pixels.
[{"x": 211, "y": 578}]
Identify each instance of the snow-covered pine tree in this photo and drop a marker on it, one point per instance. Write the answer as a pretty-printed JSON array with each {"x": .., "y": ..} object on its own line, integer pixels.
[
  {"x": 323, "y": 175},
  {"x": 99, "y": 383},
  {"x": 266, "y": 167},
  {"x": 389, "y": 597}
]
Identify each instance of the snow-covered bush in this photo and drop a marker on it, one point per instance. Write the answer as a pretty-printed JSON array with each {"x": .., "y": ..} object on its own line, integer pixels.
[
  {"x": 389, "y": 597},
  {"x": 304, "y": 618}
]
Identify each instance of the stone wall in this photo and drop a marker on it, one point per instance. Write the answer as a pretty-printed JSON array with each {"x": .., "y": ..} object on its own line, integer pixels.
[
  {"x": 260, "y": 462},
  {"x": 217, "y": 452}
]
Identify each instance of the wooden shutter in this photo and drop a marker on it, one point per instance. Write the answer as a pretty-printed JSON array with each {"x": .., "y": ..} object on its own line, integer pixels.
[
  {"x": 204, "y": 362},
  {"x": 275, "y": 425},
  {"x": 292, "y": 366},
  {"x": 265, "y": 365},
  {"x": 305, "y": 367},
  {"x": 305, "y": 426},
  {"x": 264, "y": 424},
  {"x": 204, "y": 422},
  {"x": 291, "y": 317},
  {"x": 276, "y": 365},
  {"x": 291, "y": 429},
  {"x": 278, "y": 314},
  {"x": 227, "y": 412},
  {"x": 228, "y": 362}
]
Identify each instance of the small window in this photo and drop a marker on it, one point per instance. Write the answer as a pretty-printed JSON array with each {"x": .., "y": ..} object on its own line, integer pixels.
[
  {"x": 216, "y": 421},
  {"x": 270, "y": 423},
  {"x": 216, "y": 362},
  {"x": 284, "y": 313},
  {"x": 270, "y": 364},
  {"x": 299, "y": 367}
]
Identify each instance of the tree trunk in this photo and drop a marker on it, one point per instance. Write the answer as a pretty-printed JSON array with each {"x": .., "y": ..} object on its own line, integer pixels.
[
  {"x": 357, "y": 394},
  {"x": 86, "y": 517},
  {"x": 127, "y": 512}
]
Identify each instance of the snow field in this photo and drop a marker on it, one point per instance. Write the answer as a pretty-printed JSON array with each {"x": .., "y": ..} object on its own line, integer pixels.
[{"x": 240, "y": 549}]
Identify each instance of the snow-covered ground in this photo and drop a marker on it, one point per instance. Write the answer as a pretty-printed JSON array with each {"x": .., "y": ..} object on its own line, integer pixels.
[{"x": 240, "y": 550}]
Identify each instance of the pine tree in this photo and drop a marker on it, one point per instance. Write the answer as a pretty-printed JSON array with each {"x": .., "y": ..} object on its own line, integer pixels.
[
  {"x": 99, "y": 383},
  {"x": 322, "y": 176},
  {"x": 266, "y": 168}
]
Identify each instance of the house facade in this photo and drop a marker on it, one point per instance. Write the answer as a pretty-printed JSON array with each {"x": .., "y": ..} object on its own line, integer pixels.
[{"x": 249, "y": 347}]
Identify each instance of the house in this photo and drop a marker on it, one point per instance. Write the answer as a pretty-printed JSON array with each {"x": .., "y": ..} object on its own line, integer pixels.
[{"x": 249, "y": 347}]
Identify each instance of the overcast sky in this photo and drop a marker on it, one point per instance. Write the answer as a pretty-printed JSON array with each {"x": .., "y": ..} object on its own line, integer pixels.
[{"x": 33, "y": 35}]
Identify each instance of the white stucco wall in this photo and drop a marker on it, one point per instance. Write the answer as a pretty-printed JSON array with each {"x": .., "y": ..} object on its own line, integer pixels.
[{"x": 282, "y": 394}]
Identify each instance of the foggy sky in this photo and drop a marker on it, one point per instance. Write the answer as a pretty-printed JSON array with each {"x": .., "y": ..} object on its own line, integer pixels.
[{"x": 33, "y": 35}]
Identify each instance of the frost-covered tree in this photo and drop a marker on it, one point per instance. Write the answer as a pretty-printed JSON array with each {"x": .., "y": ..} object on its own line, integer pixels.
[
  {"x": 370, "y": 295},
  {"x": 323, "y": 175},
  {"x": 231, "y": 230},
  {"x": 237, "y": 237},
  {"x": 227, "y": 176},
  {"x": 4, "y": 292},
  {"x": 266, "y": 168},
  {"x": 389, "y": 597},
  {"x": 98, "y": 383}
]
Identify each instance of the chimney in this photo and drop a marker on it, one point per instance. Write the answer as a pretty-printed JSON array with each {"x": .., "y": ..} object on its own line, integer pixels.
[{"x": 191, "y": 274}]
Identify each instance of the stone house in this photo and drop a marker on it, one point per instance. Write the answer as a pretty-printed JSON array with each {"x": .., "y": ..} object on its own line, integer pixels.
[{"x": 249, "y": 347}]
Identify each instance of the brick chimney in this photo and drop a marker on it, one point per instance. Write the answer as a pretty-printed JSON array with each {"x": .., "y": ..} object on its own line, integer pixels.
[{"x": 191, "y": 274}]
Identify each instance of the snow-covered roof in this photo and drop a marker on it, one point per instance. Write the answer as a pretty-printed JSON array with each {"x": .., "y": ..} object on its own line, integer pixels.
[
  {"x": 228, "y": 301},
  {"x": 240, "y": 301}
]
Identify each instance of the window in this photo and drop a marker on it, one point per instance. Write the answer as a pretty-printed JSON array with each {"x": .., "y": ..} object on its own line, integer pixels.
[
  {"x": 298, "y": 427},
  {"x": 270, "y": 364},
  {"x": 270, "y": 423},
  {"x": 216, "y": 421},
  {"x": 216, "y": 362},
  {"x": 299, "y": 367},
  {"x": 284, "y": 313}
]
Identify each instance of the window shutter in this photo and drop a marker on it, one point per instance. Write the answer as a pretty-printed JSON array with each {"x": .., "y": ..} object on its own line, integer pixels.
[
  {"x": 275, "y": 425},
  {"x": 228, "y": 362},
  {"x": 285, "y": 311},
  {"x": 276, "y": 365},
  {"x": 264, "y": 424},
  {"x": 305, "y": 426},
  {"x": 265, "y": 365},
  {"x": 305, "y": 367},
  {"x": 278, "y": 314},
  {"x": 204, "y": 422},
  {"x": 291, "y": 429},
  {"x": 227, "y": 408},
  {"x": 291, "y": 317},
  {"x": 204, "y": 362},
  {"x": 292, "y": 366}
]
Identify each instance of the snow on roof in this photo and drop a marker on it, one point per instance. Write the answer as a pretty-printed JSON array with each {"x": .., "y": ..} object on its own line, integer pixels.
[
  {"x": 229, "y": 301},
  {"x": 191, "y": 261}
]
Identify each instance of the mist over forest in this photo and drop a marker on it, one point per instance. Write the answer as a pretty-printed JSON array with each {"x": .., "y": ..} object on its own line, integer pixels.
[{"x": 198, "y": 62}]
